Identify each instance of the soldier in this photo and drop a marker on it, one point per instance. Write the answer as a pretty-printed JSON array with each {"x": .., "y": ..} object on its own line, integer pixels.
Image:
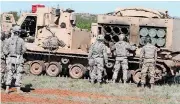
[
  {"x": 121, "y": 51},
  {"x": 14, "y": 49},
  {"x": 97, "y": 56},
  {"x": 2, "y": 60},
  {"x": 148, "y": 56},
  {"x": 4, "y": 37}
]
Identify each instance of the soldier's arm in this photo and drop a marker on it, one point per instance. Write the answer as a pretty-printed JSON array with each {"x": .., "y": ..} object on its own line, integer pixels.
[
  {"x": 23, "y": 47},
  {"x": 5, "y": 48},
  {"x": 131, "y": 47},
  {"x": 112, "y": 46},
  {"x": 142, "y": 54},
  {"x": 155, "y": 55},
  {"x": 2, "y": 54},
  {"x": 90, "y": 52},
  {"x": 105, "y": 54}
]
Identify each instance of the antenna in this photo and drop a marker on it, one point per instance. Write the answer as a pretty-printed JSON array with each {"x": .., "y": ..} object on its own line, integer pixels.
[
  {"x": 71, "y": 6},
  {"x": 20, "y": 12},
  {"x": 58, "y": 6}
]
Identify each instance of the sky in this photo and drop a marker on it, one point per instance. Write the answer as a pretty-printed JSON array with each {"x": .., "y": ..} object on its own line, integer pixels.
[{"x": 94, "y": 7}]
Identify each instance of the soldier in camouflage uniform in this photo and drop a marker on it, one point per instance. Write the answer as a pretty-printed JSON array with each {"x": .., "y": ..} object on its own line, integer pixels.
[
  {"x": 121, "y": 50},
  {"x": 14, "y": 50},
  {"x": 148, "y": 56},
  {"x": 2, "y": 60},
  {"x": 4, "y": 37},
  {"x": 97, "y": 56}
]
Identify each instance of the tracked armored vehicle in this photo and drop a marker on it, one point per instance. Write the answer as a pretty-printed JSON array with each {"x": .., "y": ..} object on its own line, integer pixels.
[
  {"x": 137, "y": 24},
  {"x": 54, "y": 44}
]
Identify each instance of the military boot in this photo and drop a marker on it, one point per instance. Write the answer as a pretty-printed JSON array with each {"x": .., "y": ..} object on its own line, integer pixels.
[
  {"x": 142, "y": 85},
  {"x": 7, "y": 90},
  {"x": 92, "y": 81},
  {"x": 124, "y": 82},
  {"x": 113, "y": 81},
  {"x": 99, "y": 84},
  {"x": 19, "y": 90},
  {"x": 2, "y": 87}
]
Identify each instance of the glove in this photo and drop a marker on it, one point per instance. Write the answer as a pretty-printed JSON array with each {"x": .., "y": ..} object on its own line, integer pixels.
[
  {"x": 3, "y": 56},
  {"x": 134, "y": 45},
  {"x": 140, "y": 60},
  {"x": 106, "y": 61}
]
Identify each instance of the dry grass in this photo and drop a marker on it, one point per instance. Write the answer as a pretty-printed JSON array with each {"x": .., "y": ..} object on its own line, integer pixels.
[{"x": 164, "y": 94}]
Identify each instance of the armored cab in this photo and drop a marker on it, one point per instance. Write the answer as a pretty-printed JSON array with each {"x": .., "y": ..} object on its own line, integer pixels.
[
  {"x": 54, "y": 43},
  {"x": 137, "y": 24},
  {"x": 7, "y": 21}
]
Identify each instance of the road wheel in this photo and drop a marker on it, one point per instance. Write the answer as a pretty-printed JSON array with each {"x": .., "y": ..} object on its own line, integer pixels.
[
  {"x": 37, "y": 67},
  {"x": 53, "y": 69},
  {"x": 109, "y": 65},
  {"x": 137, "y": 76},
  {"x": 65, "y": 61},
  {"x": 76, "y": 71}
]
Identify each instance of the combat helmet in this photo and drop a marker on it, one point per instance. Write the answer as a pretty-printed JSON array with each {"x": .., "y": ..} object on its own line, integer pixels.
[
  {"x": 100, "y": 37},
  {"x": 121, "y": 37},
  {"x": 148, "y": 40},
  {"x": 16, "y": 30}
]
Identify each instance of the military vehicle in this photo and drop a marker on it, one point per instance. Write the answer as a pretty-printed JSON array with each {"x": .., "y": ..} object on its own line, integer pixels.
[
  {"x": 137, "y": 24},
  {"x": 54, "y": 42},
  {"x": 7, "y": 21}
]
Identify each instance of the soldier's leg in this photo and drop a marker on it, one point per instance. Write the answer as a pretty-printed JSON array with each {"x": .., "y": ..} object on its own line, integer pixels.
[
  {"x": 93, "y": 74},
  {"x": 100, "y": 68},
  {"x": 2, "y": 72},
  {"x": 2, "y": 78},
  {"x": 19, "y": 77},
  {"x": 144, "y": 74},
  {"x": 116, "y": 70},
  {"x": 90, "y": 71},
  {"x": 152, "y": 73},
  {"x": 9, "y": 76},
  {"x": 125, "y": 68}
]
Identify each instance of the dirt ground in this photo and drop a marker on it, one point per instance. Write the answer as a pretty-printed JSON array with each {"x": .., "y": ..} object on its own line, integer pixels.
[
  {"x": 61, "y": 90},
  {"x": 42, "y": 96}
]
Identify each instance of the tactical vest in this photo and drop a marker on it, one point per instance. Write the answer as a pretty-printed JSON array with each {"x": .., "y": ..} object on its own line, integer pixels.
[
  {"x": 14, "y": 46},
  {"x": 121, "y": 49},
  {"x": 97, "y": 50},
  {"x": 149, "y": 51}
]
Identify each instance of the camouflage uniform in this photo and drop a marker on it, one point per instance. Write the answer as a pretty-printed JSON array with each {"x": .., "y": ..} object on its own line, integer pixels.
[
  {"x": 149, "y": 53},
  {"x": 121, "y": 51},
  {"x": 97, "y": 56},
  {"x": 2, "y": 70},
  {"x": 14, "y": 49},
  {"x": 3, "y": 65}
]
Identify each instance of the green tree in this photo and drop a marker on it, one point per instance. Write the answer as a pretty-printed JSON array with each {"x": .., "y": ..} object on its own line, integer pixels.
[
  {"x": 84, "y": 22},
  {"x": 15, "y": 14}
]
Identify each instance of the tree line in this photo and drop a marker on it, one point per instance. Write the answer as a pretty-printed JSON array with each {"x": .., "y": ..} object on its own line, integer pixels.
[{"x": 82, "y": 21}]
